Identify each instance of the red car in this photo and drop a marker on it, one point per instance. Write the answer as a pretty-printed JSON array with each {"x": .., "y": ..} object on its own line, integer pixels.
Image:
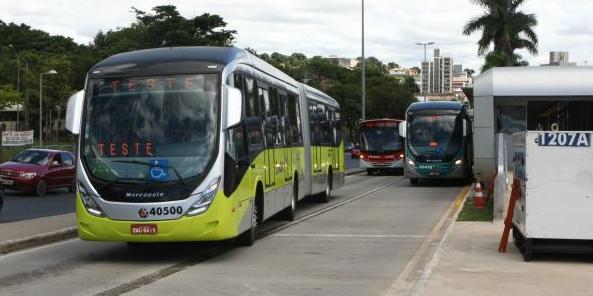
[
  {"x": 355, "y": 152},
  {"x": 37, "y": 170}
]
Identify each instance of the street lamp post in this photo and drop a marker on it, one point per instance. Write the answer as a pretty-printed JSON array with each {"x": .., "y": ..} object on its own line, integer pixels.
[
  {"x": 363, "y": 68},
  {"x": 50, "y": 72},
  {"x": 18, "y": 82},
  {"x": 424, "y": 44}
]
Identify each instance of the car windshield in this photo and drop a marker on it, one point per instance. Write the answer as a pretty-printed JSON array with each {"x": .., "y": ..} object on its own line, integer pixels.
[
  {"x": 168, "y": 122},
  {"x": 435, "y": 134},
  {"x": 380, "y": 139},
  {"x": 32, "y": 157}
]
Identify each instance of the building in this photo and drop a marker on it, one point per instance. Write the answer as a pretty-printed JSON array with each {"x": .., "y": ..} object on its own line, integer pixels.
[
  {"x": 559, "y": 58},
  {"x": 457, "y": 70},
  {"x": 437, "y": 76},
  {"x": 343, "y": 62}
]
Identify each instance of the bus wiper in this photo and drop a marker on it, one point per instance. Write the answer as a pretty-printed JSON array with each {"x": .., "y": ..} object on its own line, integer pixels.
[{"x": 148, "y": 164}]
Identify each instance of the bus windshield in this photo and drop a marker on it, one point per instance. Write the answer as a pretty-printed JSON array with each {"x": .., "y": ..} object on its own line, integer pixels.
[
  {"x": 380, "y": 139},
  {"x": 169, "y": 123},
  {"x": 435, "y": 135}
]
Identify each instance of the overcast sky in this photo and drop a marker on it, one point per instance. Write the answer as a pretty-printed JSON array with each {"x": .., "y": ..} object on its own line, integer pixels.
[{"x": 328, "y": 27}]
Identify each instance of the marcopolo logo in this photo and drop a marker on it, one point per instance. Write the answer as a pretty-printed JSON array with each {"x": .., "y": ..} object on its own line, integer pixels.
[
  {"x": 144, "y": 194},
  {"x": 143, "y": 213}
]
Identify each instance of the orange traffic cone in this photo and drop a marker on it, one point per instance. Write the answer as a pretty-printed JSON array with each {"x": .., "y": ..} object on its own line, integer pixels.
[{"x": 479, "y": 200}]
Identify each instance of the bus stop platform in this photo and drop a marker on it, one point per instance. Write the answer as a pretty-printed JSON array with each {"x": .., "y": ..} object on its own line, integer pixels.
[{"x": 469, "y": 264}]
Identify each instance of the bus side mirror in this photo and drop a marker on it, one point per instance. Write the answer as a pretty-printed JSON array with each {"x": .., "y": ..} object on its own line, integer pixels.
[
  {"x": 74, "y": 112},
  {"x": 402, "y": 129},
  {"x": 234, "y": 106}
]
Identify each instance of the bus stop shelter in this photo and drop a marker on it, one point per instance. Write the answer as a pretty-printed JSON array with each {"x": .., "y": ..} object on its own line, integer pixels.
[{"x": 515, "y": 99}]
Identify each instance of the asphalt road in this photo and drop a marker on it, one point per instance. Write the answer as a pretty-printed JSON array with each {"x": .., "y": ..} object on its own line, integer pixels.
[
  {"x": 354, "y": 248},
  {"x": 24, "y": 205},
  {"x": 20, "y": 206}
]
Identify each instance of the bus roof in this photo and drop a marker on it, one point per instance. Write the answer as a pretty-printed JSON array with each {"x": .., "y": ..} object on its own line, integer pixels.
[
  {"x": 435, "y": 105},
  {"x": 169, "y": 60}
]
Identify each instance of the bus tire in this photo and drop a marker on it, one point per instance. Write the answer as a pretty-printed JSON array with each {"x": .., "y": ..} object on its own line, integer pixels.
[
  {"x": 370, "y": 172},
  {"x": 326, "y": 194},
  {"x": 247, "y": 238},
  {"x": 288, "y": 214},
  {"x": 413, "y": 181}
]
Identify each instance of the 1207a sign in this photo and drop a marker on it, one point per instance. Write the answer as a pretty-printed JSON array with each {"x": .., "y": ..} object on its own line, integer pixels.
[{"x": 570, "y": 139}]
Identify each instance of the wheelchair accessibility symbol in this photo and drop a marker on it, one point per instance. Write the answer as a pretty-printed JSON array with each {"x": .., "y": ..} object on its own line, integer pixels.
[{"x": 159, "y": 170}]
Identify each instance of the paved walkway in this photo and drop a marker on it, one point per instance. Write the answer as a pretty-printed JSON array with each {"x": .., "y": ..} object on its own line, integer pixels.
[
  {"x": 469, "y": 264},
  {"x": 28, "y": 228}
]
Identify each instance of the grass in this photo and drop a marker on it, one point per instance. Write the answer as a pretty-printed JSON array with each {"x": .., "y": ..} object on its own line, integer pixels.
[{"x": 469, "y": 213}]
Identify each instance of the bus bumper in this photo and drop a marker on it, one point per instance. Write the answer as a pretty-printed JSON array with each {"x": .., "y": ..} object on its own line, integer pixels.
[
  {"x": 208, "y": 226},
  {"x": 396, "y": 164},
  {"x": 453, "y": 173}
]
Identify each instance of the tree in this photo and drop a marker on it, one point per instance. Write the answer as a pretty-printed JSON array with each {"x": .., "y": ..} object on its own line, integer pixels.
[
  {"x": 504, "y": 27},
  {"x": 495, "y": 59},
  {"x": 165, "y": 26},
  {"x": 9, "y": 96},
  {"x": 470, "y": 72}
]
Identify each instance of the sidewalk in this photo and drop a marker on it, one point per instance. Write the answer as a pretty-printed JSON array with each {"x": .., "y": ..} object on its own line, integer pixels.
[
  {"x": 470, "y": 264},
  {"x": 28, "y": 233}
]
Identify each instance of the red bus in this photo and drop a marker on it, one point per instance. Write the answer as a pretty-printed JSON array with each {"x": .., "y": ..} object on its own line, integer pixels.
[{"x": 380, "y": 145}]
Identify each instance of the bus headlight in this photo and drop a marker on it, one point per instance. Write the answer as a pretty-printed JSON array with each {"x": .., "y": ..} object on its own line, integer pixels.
[
  {"x": 205, "y": 199},
  {"x": 89, "y": 203},
  {"x": 411, "y": 163},
  {"x": 458, "y": 162}
]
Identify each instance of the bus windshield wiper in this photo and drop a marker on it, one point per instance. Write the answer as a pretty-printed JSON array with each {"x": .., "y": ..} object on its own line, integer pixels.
[{"x": 151, "y": 165}]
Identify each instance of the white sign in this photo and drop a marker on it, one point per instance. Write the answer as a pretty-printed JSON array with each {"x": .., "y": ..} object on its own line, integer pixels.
[
  {"x": 17, "y": 138},
  {"x": 571, "y": 139}
]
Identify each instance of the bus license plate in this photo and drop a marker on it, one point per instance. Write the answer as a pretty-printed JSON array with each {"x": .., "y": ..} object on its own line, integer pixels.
[{"x": 139, "y": 229}]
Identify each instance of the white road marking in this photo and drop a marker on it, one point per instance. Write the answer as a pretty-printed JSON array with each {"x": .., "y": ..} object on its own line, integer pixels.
[{"x": 338, "y": 235}]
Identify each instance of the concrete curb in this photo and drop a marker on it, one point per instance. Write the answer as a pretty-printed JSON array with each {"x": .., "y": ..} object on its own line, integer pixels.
[
  {"x": 36, "y": 240},
  {"x": 413, "y": 277}
]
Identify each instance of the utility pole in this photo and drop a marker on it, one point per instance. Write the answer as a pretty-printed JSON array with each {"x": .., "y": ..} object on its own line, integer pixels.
[
  {"x": 422, "y": 68},
  {"x": 18, "y": 83},
  {"x": 363, "y": 68},
  {"x": 50, "y": 72}
]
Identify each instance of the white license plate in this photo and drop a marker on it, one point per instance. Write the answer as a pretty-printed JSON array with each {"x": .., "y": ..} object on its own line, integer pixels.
[{"x": 143, "y": 229}]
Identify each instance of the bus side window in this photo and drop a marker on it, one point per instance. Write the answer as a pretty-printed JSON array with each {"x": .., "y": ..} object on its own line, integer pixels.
[
  {"x": 275, "y": 127},
  {"x": 266, "y": 116},
  {"x": 284, "y": 118},
  {"x": 295, "y": 120},
  {"x": 313, "y": 124},
  {"x": 338, "y": 127},
  {"x": 253, "y": 125}
]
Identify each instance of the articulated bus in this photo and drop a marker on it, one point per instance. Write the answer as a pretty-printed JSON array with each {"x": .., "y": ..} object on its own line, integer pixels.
[
  {"x": 438, "y": 143},
  {"x": 198, "y": 144},
  {"x": 380, "y": 145}
]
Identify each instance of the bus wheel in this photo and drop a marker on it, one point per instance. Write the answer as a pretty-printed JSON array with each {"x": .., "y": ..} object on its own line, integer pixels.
[
  {"x": 413, "y": 181},
  {"x": 247, "y": 238},
  {"x": 289, "y": 213},
  {"x": 528, "y": 249},
  {"x": 370, "y": 172},
  {"x": 326, "y": 194}
]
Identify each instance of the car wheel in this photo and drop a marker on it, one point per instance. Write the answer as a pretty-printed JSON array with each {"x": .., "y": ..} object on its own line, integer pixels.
[{"x": 41, "y": 188}]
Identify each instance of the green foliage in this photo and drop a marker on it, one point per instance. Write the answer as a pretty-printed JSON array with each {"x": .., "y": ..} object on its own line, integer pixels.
[
  {"x": 164, "y": 27},
  {"x": 497, "y": 59},
  {"x": 9, "y": 96},
  {"x": 505, "y": 27}
]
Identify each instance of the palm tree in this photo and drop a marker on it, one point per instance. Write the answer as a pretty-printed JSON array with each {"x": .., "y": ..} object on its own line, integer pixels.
[{"x": 505, "y": 27}]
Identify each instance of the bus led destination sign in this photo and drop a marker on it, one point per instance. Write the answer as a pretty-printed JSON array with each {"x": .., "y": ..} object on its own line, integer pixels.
[{"x": 568, "y": 139}]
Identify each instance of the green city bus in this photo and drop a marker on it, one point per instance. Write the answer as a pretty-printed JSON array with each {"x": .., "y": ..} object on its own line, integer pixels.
[
  {"x": 198, "y": 144},
  {"x": 437, "y": 141}
]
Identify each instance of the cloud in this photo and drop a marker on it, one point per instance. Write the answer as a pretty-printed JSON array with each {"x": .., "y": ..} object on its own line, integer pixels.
[{"x": 325, "y": 27}]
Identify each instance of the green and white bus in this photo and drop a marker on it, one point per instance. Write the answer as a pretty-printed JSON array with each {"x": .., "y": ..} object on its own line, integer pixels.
[
  {"x": 437, "y": 141},
  {"x": 198, "y": 144}
]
